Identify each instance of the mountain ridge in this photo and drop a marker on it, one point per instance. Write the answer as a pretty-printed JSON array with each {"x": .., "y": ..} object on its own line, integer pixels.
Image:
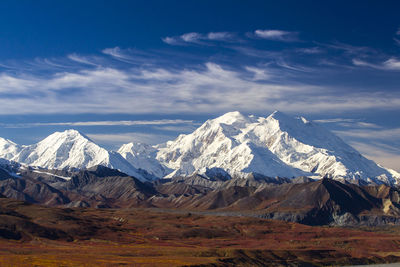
[
  {"x": 69, "y": 150},
  {"x": 232, "y": 145}
]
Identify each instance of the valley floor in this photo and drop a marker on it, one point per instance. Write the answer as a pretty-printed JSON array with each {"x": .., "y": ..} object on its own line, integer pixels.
[{"x": 144, "y": 237}]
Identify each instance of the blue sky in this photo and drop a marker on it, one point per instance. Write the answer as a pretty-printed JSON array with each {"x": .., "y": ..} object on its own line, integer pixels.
[{"x": 123, "y": 71}]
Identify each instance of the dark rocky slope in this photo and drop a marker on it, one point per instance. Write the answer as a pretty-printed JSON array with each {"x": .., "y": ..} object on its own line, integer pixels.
[{"x": 303, "y": 200}]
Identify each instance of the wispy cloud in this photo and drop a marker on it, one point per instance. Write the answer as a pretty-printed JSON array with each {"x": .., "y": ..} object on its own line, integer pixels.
[
  {"x": 310, "y": 50},
  {"x": 259, "y": 74},
  {"x": 220, "y": 36},
  {"x": 335, "y": 120},
  {"x": 170, "y": 40},
  {"x": 191, "y": 37},
  {"x": 282, "y": 63},
  {"x": 99, "y": 123},
  {"x": 256, "y": 53},
  {"x": 118, "y": 139},
  {"x": 178, "y": 128},
  {"x": 361, "y": 124},
  {"x": 350, "y": 123},
  {"x": 131, "y": 56},
  {"x": 116, "y": 52},
  {"x": 349, "y": 49},
  {"x": 381, "y": 134},
  {"x": 208, "y": 88},
  {"x": 198, "y": 38},
  {"x": 82, "y": 59},
  {"x": 277, "y": 35},
  {"x": 390, "y": 64}
]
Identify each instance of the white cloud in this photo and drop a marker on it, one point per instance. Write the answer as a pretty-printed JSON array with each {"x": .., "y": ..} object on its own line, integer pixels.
[
  {"x": 277, "y": 35},
  {"x": 310, "y": 50},
  {"x": 362, "y": 63},
  {"x": 191, "y": 37},
  {"x": 256, "y": 53},
  {"x": 197, "y": 38},
  {"x": 350, "y": 49},
  {"x": 130, "y": 55},
  {"x": 382, "y": 134},
  {"x": 82, "y": 59},
  {"x": 219, "y": 36},
  {"x": 282, "y": 63},
  {"x": 361, "y": 124},
  {"x": 170, "y": 40},
  {"x": 334, "y": 120},
  {"x": 123, "y": 138},
  {"x": 259, "y": 74},
  {"x": 114, "y": 52},
  {"x": 205, "y": 89},
  {"x": 350, "y": 123},
  {"x": 390, "y": 64},
  {"x": 100, "y": 123}
]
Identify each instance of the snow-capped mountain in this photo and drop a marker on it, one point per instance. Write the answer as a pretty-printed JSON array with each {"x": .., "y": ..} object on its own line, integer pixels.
[
  {"x": 68, "y": 150},
  {"x": 143, "y": 156},
  {"x": 277, "y": 145},
  {"x": 312, "y": 148},
  {"x": 232, "y": 144},
  {"x": 8, "y": 149},
  {"x": 218, "y": 143}
]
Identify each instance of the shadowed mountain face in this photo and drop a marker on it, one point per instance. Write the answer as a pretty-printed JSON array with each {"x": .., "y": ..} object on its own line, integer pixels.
[
  {"x": 96, "y": 187},
  {"x": 304, "y": 200}
]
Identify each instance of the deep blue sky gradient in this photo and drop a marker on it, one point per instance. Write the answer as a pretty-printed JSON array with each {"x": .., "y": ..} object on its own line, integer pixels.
[{"x": 55, "y": 28}]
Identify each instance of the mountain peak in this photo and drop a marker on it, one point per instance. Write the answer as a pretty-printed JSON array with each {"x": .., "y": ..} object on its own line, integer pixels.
[
  {"x": 234, "y": 118},
  {"x": 230, "y": 117},
  {"x": 279, "y": 115},
  {"x": 8, "y": 148},
  {"x": 71, "y": 133},
  {"x": 286, "y": 121},
  {"x": 67, "y": 136},
  {"x": 6, "y": 141}
]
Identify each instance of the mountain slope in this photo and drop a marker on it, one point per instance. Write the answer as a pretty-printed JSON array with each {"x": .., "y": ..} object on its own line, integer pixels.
[
  {"x": 216, "y": 145},
  {"x": 71, "y": 150},
  {"x": 142, "y": 156},
  {"x": 8, "y": 169},
  {"x": 8, "y": 149},
  {"x": 312, "y": 148},
  {"x": 277, "y": 145}
]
